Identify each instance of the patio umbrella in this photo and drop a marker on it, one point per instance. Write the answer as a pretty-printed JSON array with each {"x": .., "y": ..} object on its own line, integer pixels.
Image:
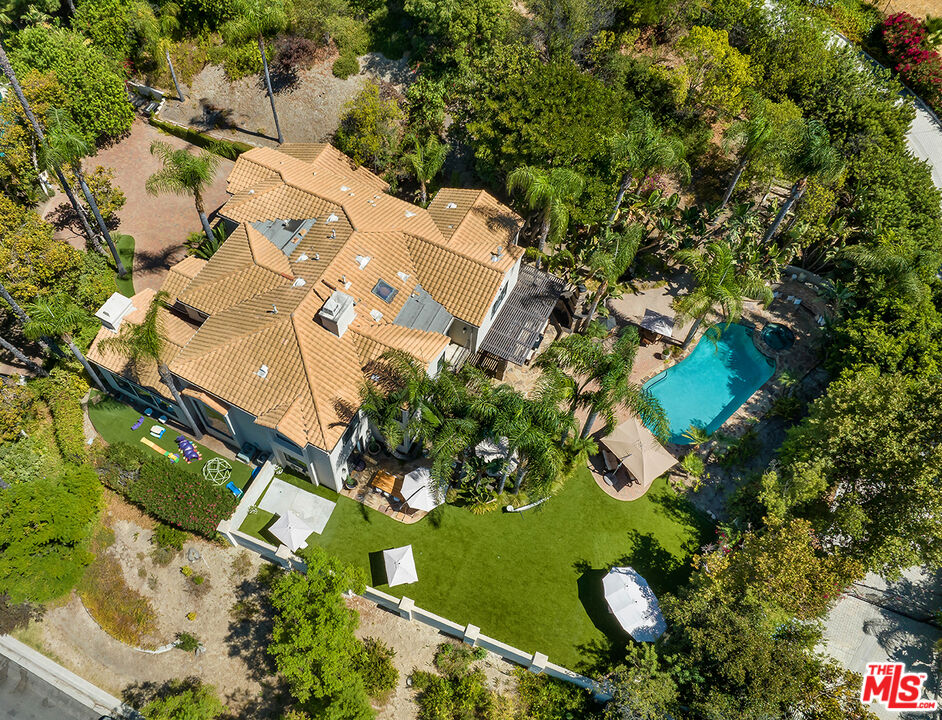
[
  {"x": 400, "y": 566},
  {"x": 420, "y": 492},
  {"x": 639, "y": 451},
  {"x": 657, "y": 323},
  {"x": 291, "y": 530},
  {"x": 633, "y": 604}
]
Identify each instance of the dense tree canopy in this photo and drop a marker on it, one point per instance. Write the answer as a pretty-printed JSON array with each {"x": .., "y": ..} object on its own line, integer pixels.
[
  {"x": 93, "y": 84},
  {"x": 45, "y": 525},
  {"x": 865, "y": 469}
]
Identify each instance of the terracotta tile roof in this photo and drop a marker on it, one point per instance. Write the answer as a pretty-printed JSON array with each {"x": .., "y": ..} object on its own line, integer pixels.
[
  {"x": 176, "y": 331},
  {"x": 263, "y": 303},
  {"x": 180, "y": 276}
]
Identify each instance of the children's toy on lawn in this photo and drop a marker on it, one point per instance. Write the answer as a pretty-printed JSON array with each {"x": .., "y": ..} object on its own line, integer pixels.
[
  {"x": 140, "y": 421},
  {"x": 172, "y": 457},
  {"x": 217, "y": 471},
  {"x": 157, "y": 431},
  {"x": 190, "y": 453}
]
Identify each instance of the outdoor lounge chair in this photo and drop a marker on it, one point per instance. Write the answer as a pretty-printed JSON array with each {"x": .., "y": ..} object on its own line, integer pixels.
[{"x": 231, "y": 487}]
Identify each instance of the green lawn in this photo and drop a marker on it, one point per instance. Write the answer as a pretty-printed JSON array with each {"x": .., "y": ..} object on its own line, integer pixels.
[
  {"x": 125, "y": 245},
  {"x": 531, "y": 579},
  {"x": 113, "y": 421}
]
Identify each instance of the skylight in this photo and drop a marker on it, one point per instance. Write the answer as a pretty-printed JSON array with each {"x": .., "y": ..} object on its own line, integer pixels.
[{"x": 384, "y": 291}]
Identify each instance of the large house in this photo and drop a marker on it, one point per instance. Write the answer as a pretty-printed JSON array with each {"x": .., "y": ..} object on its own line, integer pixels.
[{"x": 322, "y": 272}]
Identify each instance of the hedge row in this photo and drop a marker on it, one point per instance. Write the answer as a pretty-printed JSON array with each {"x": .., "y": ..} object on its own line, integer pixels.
[
  {"x": 174, "y": 494},
  {"x": 62, "y": 392}
]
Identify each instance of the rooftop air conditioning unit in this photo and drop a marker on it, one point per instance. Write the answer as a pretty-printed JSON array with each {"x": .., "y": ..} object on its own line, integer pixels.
[{"x": 115, "y": 309}]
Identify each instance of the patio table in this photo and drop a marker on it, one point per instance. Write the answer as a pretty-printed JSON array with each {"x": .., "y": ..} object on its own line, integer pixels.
[{"x": 384, "y": 481}]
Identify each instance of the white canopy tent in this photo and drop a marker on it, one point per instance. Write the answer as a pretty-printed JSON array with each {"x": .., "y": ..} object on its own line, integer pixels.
[
  {"x": 633, "y": 603},
  {"x": 400, "y": 566},
  {"x": 420, "y": 492},
  {"x": 291, "y": 530}
]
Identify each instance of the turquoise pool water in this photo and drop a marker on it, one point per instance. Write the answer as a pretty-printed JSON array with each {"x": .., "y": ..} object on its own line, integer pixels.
[{"x": 707, "y": 386}]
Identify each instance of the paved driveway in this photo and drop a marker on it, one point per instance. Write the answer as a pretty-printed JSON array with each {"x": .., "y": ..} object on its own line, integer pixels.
[
  {"x": 24, "y": 696},
  {"x": 159, "y": 224}
]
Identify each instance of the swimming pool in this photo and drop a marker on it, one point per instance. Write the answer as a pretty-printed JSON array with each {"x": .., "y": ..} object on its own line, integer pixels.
[{"x": 708, "y": 386}]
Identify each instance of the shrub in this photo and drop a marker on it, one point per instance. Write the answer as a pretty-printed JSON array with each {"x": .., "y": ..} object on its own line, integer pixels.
[
  {"x": 544, "y": 698},
  {"x": 186, "y": 571},
  {"x": 17, "y": 408},
  {"x": 169, "y": 538},
  {"x": 294, "y": 53},
  {"x": 62, "y": 391},
  {"x": 14, "y": 616},
  {"x": 172, "y": 493},
  {"x": 121, "y": 611},
  {"x": 376, "y": 668},
  {"x": 908, "y": 48},
  {"x": 187, "y": 642},
  {"x": 345, "y": 66},
  {"x": 693, "y": 464},
  {"x": 239, "y": 61}
]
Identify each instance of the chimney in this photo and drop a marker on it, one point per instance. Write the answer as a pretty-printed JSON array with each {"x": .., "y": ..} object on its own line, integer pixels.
[
  {"x": 115, "y": 309},
  {"x": 337, "y": 313}
]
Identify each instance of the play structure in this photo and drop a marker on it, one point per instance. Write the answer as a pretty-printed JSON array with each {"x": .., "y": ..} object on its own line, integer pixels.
[
  {"x": 188, "y": 449},
  {"x": 217, "y": 471},
  {"x": 172, "y": 457},
  {"x": 140, "y": 421}
]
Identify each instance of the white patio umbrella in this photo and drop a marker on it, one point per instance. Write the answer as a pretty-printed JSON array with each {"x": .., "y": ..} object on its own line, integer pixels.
[
  {"x": 400, "y": 566},
  {"x": 632, "y": 602},
  {"x": 420, "y": 492},
  {"x": 658, "y": 323},
  {"x": 291, "y": 530}
]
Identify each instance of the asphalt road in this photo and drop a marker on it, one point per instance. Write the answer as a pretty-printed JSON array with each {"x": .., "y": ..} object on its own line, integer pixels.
[{"x": 24, "y": 696}]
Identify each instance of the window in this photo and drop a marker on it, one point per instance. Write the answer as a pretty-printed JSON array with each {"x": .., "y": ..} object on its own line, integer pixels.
[
  {"x": 286, "y": 442},
  {"x": 215, "y": 420},
  {"x": 500, "y": 299},
  {"x": 384, "y": 291}
]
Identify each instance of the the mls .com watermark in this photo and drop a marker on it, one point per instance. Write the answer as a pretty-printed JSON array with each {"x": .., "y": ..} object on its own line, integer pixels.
[{"x": 890, "y": 685}]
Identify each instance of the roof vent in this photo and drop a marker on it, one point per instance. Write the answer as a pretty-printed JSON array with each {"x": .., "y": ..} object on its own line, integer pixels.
[
  {"x": 262, "y": 372},
  {"x": 251, "y": 192},
  {"x": 362, "y": 260},
  {"x": 451, "y": 206},
  {"x": 409, "y": 214},
  {"x": 332, "y": 218},
  {"x": 298, "y": 282},
  {"x": 497, "y": 254},
  {"x": 114, "y": 311},
  {"x": 333, "y": 234},
  {"x": 403, "y": 276},
  {"x": 302, "y": 257},
  {"x": 337, "y": 313},
  {"x": 344, "y": 188},
  {"x": 274, "y": 309},
  {"x": 376, "y": 315},
  {"x": 317, "y": 256}
]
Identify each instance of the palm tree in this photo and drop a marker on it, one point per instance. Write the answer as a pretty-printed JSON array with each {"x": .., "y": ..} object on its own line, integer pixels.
[
  {"x": 22, "y": 357},
  {"x": 610, "y": 261},
  {"x": 256, "y": 19},
  {"x": 752, "y": 135},
  {"x": 160, "y": 42},
  {"x": 56, "y": 316},
  {"x": 550, "y": 193},
  {"x": 815, "y": 158},
  {"x": 642, "y": 150},
  {"x": 716, "y": 282},
  {"x": 426, "y": 162},
  {"x": 183, "y": 173},
  {"x": 41, "y": 138},
  {"x": 65, "y": 145},
  {"x": 899, "y": 272},
  {"x": 401, "y": 404},
  {"x": 595, "y": 375},
  {"x": 144, "y": 342}
]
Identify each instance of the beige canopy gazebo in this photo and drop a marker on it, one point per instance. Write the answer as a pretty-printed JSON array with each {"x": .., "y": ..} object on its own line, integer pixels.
[{"x": 638, "y": 451}]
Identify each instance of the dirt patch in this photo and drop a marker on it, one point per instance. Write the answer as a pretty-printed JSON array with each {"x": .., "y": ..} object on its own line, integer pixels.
[
  {"x": 309, "y": 109},
  {"x": 415, "y": 646},
  {"x": 916, "y": 8}
]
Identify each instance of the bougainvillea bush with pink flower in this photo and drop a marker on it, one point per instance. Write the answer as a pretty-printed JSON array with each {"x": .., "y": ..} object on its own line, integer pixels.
[
  {"x": 908, "y": 49},
  {"x": 172, "y": 493}
]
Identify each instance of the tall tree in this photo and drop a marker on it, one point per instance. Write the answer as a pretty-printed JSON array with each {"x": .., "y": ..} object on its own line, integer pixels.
[
  {"x": 65, "y": 145},
  {"x": 550, "y": 193},
  {"x": 814, "y": 157},
  {"x": 716, "y": 282},
  {"x": 609, "y": 260},
  {"x": 41, "y": 138},
  {"x": 255, "y": 19},
  {"x": 595, "y": 376},
  {"x": 184, "y": 173},
  {"x": 144, "y": 343},
  {"x": 58, "y": 316},
  {"x": 426, "y": 162},
  {"x": 642, "y": 150},
  {"x": 752, "y": 135},
  {"x": 22, "y": 357}
]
